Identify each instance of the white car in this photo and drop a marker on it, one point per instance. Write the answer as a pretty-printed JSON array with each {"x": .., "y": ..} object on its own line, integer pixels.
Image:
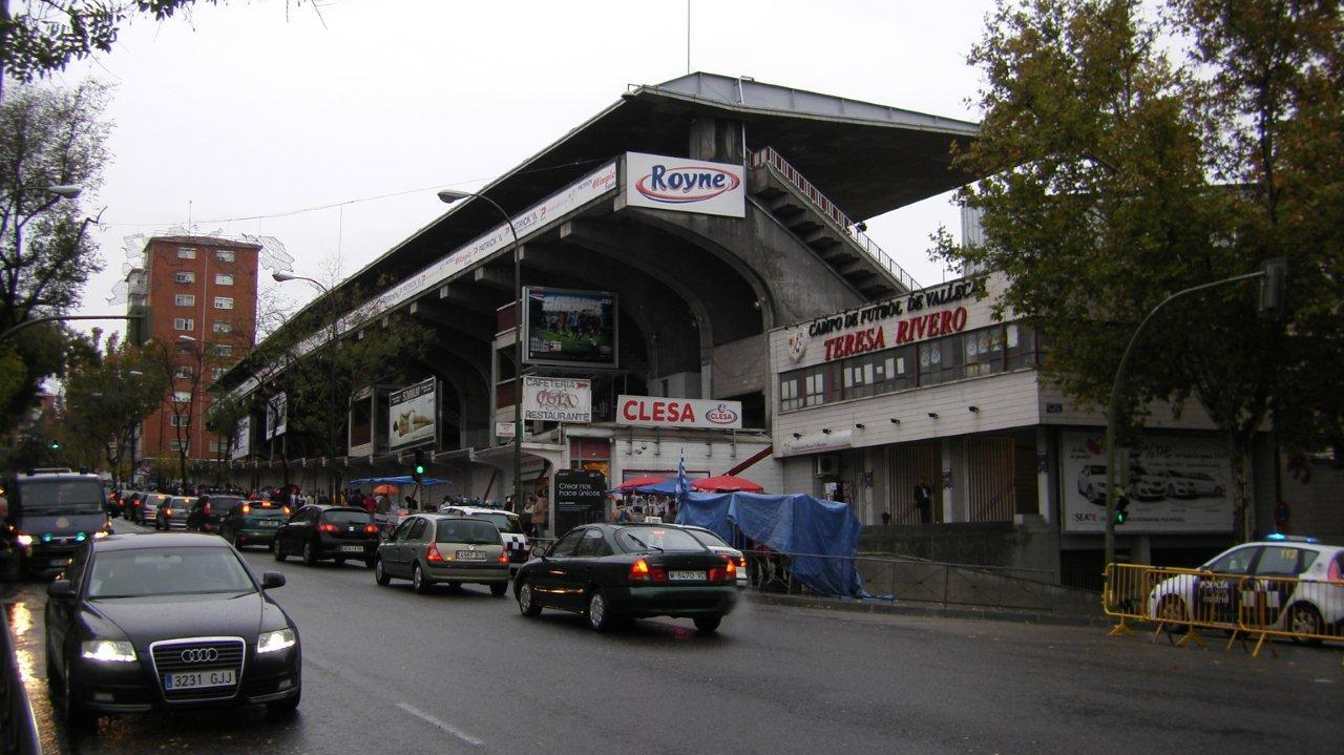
[
  {"x": 509, "y": 525},
  {"x": 1313, "y": 605},
  {"x": 1177, "y": 485},
  {"x": 1204, "y": 485},
  {"x": 1092, "y": 483},
  {"x": 712, "y": 541}
]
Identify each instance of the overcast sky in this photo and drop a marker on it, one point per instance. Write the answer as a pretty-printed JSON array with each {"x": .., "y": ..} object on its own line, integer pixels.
[{"x": 248, "y": 110}]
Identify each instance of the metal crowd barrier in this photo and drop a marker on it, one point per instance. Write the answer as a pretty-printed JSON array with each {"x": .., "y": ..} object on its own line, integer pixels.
[
  {"x": 18, "y": 728},
  {"x": 1248, "y": 607}
]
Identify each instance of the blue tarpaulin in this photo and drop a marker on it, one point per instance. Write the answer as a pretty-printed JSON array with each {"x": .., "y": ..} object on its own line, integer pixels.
[
  {"x": 666, "y": 487},
  {"x": 826, "y": 531}
]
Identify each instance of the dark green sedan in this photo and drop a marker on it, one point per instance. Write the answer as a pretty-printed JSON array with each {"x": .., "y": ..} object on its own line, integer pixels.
[
  {"x": 253, "y": 523},
  {"x": 613, "y": 573}
]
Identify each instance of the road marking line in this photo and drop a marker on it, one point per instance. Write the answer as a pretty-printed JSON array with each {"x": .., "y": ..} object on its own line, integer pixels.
[{"x": 414, "y": 711}]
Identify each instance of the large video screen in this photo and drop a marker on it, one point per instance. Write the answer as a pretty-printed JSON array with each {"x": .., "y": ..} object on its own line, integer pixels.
[{"x": 565, "y": 327}]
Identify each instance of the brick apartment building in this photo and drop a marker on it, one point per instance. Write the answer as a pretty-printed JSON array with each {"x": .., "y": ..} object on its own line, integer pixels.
[{"x": 198, "y": 295}]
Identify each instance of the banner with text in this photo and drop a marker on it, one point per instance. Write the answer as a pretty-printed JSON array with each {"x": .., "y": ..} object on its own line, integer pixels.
[
  {"x": 568, "y": 400},
  {"x": 656, "y": 411},
  {"x": 412, "y": 414},
  {"x": 685, "y": 185}
]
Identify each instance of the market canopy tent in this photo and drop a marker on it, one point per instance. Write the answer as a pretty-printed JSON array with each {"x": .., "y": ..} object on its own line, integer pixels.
[{"x": 727, "y": 484}]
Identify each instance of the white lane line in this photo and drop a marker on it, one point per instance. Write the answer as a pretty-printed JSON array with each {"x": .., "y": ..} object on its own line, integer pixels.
[{"x": 414, "y": 711}]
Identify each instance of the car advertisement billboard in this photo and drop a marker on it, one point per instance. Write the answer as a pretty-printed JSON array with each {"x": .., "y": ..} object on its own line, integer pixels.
[
  {"x": 1174, "y": 484},
  {"x": 565, "y": 327},
  {"x": 412, "y": 413},
  {"x": 681, "y": 184}
]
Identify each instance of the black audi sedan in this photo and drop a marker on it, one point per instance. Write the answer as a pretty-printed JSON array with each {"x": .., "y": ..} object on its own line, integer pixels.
[
  {"x": 174, "y": 621},
  {"x": 613, "y": 573}
]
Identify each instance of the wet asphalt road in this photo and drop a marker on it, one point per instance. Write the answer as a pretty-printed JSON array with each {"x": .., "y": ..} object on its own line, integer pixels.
[{"x": 388, "y": 670}]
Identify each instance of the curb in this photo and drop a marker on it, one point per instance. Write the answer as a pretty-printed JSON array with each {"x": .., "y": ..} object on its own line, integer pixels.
[{"x": 912, "y": 609}]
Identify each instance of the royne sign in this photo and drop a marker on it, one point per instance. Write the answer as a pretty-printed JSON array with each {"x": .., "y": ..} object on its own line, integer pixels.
[
  {"x": 656, "y": 411},
  {"x": 685, "y": 185},
  {"x": 567, "y": 400}
]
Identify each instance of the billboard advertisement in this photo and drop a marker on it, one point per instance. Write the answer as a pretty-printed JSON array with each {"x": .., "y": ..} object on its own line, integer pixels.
[
  {"x": 564, "y": 327},
  {"x": 242, "y": 439},
  {"x": 567, "y": 400},
  {"x": 656, "y": 411},
  {"x": 412, "y": 414},
  {"x": 277, "y": 412},
  {"x": 681, "y": 184},
  {"x": 1174, "y": 484}
]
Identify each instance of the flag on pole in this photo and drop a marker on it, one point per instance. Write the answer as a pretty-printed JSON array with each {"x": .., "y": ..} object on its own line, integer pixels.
[{"x": 683, "y": 485}]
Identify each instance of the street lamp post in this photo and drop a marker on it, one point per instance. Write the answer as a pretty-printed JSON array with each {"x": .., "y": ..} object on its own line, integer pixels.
[
  {"x": 280, "y": 277},
  {"x": 448, "y": 196}
]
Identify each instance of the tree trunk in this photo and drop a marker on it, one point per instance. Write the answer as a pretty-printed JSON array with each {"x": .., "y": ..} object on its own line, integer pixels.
[{"x": 1243, "y": 525}]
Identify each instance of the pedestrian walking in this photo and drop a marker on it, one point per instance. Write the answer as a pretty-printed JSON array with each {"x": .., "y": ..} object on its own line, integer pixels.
[{"x": 924, "y": 502}]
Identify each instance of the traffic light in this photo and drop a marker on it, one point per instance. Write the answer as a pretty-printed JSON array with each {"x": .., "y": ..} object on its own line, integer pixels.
[
  {"x": 419, "y": 468},
  {"x": 55, "y": 445},
  {"x": 1121, "y": 509},
  {"x": 1273, "y": 287}
]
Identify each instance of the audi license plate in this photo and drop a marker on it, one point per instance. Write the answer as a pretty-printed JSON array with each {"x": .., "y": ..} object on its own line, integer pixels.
[
  {"x": 686, "y": 576},
  {"x": 219, "y": 677},
  {"x": 470, "y": 556},
  {"x": 352, "y": 549}
]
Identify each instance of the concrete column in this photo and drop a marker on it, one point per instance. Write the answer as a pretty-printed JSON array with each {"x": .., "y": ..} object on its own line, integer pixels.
[
  {"x": 1047, "y": 471},
  {"x": 716, "y": 139}
]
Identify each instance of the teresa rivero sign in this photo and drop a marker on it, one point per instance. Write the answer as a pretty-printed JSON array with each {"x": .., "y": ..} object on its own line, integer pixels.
[
  {"x": 657, "y": 411},
  {"x": 685, "y": 185}
]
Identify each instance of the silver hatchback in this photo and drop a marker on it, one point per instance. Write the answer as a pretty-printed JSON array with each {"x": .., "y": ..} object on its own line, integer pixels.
[{"x": 432, "y": 548}]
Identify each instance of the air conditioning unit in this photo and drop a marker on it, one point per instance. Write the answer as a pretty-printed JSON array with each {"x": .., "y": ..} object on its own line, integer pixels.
[{"x": 828, "y": 466}]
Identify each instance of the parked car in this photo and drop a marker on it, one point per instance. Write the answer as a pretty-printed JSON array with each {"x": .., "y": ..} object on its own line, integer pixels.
[
  {"x": 49, "y": 517},
  {"x": 1315, "y": 604},
  {"x": 509, "y": 525},
  {"x": 432, "y": 548},
  {"x": 173, "y": 622},
  {"x": 615, "y": 572},
  {"x": 171, "y": 512},
  {"x": 208, "y": 512},
  {"x": 253, "y": 523},
  {"x": 712, "y": 541},
  {"x": 318, "y": 532}
]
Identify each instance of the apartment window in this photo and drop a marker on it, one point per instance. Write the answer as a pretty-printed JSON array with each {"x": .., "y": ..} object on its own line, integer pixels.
[
  {"x": 184, "y": 323},
  {"x": 223, "y": 279},
  {"x": 983, "y": 350},
  {"x": 788, "y": 392},
  {"x": 223, "y": 350},
  {"x": 186, "y": 253},
  {"x": 178, "y": 445},
  {"x": 184, "y": 300},
  {"x": 219, "y": 446},
  {"x": 182, "y": 397},
  {"x": 223, "y": 328},
  {"x": 223, "y": 302},
  {"x": 185, "y": 347},
  {"x": 180, "y": 420},
  {"x": 224, "y": 255},
  {"x": 187, "y": 277},
  {"x": 182, "y": 373},
  {"x": 216, "y": 373}
]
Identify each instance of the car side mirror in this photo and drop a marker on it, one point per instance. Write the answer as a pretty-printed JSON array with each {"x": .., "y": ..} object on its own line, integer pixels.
[
  {"x": 61, "y": 588},
  {"x": 542, "y": 551},
  {"x": 272, "y": 579}
]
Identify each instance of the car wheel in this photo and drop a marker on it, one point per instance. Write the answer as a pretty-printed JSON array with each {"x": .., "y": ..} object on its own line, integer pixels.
[
  {"x": 309, "y": 553},
  {"x": 284, "y": 708},
  {"x": 277, "y": 550},
  {"x": 707, "y": 624},
  {"x": 418, "y": 581},
  {"x": 498, "y": 589},
  {"x": 379, "y": 575},
  {"x": 599, "y": 611},
  {"x": 526, "y": 604},
  {"x": 1303, "y": 618},
  {"x": 76, "y": 716}
]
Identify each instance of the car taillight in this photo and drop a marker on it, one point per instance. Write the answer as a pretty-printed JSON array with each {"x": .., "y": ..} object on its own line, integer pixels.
[
  {"x": 247, "y": 509},
  {"x": 741, "y": 562},
  {"x": 285, "y": 510},
  {"x": 432, "y": 554},
  {"x": 640, "y": 571},
  {"x": 371, "y": 529},
  {"x": 167, "y": 512},
  {"x": 503, "y": 557},
  {"x": 327, "y": 527}
]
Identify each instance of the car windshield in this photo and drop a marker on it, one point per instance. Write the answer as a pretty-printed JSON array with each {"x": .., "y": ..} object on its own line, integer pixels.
[
  {"x": 708, "y": 538},
  {"x": 224, "y": 504},
  {"x": 52, "y": 497},
  {"x": 657, "y": 538},
  {"x": 471, "y": 533},
  {"x": 167, "y": 571},
  {"x": 504, "y": 522},
  {"x": 347, "y": 517}
]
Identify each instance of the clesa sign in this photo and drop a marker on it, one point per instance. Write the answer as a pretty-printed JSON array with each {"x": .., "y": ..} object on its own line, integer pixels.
[
  {"x": 685, "y": 185},
  {"x": 657, "y": 411}
]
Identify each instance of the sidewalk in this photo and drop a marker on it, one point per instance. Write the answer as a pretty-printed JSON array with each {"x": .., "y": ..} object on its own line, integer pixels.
[{"x": 906, "y": 608}]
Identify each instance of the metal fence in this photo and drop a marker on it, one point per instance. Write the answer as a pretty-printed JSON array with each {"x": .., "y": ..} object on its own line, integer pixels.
[
  {"x": 1248, "y": 607},
  {"x": 18, "y": 728}
]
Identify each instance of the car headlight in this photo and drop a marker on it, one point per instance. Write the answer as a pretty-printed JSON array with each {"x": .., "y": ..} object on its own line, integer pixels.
[
  {"x": 108, "y": 651},
  {"x": 25, "y": 539},
  {"x": 270, "y": 642},
  {"x": 100, "y": 534}
]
